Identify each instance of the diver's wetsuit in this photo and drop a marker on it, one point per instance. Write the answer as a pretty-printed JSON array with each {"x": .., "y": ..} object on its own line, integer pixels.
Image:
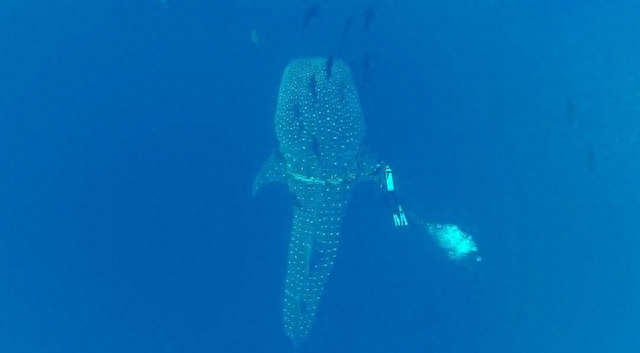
[{"x": 399, "y": 217}]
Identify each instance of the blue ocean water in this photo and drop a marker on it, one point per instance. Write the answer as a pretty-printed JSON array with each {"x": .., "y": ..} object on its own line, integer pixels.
[{"x": 130, "y": 135}]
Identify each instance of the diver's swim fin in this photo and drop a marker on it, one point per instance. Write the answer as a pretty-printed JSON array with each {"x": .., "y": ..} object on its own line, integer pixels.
[
  {"x": 400, "y": 218},
  {"x": 274, "y": 170}
]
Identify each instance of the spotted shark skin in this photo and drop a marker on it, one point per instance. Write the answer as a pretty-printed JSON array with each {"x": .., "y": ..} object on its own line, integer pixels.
[{"x": 321, "y": 157}]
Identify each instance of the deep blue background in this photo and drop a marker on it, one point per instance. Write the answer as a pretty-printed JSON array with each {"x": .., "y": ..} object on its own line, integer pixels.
[{"x": 130, "y": 136}]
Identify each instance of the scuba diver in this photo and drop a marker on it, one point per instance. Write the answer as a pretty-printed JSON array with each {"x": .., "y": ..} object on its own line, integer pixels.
[
  {"x": 450, "y": 237},
  {"x": 386, "y": 180}
]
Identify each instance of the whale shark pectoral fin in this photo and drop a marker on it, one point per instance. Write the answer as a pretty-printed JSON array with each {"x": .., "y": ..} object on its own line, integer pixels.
[
  {"x": 368, "y": 168},
  {"x": 272, "y": 171}
]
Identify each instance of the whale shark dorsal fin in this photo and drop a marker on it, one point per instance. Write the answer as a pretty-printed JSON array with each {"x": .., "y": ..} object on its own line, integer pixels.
[{"x": 273, "y": 171}]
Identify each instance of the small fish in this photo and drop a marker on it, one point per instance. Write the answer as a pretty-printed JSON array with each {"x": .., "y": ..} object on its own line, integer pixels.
[
  {"x": 342, "y": 92},
  {"x": 313, "y": 86},
  {"x": 345, "y": 30},
  {"x": 368, "y": 16},
  {"x": 330, "y": 59},
  {"x": 164, "y": 4},
  {"x": 347, "y": 25},
  {"x": 315, "y": 146},
  {"x": 311, "y": 13},
  {"x": 255, "y": 38},
  {"x": 329, "y": 66}
]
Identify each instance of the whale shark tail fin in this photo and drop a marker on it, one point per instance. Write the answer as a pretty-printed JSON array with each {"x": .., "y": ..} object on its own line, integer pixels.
[{"x": 273, "y": 171}]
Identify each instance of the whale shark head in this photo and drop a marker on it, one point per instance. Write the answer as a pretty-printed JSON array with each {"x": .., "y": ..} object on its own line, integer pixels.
[
  {"x": 321, "y": 156},
  {"x": 319, "y": 122}
]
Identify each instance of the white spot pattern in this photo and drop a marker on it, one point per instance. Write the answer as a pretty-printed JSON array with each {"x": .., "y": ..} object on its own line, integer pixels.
[{"x": 320, "y": 131}]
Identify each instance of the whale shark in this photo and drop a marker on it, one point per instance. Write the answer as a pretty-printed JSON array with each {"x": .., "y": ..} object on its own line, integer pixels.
[{"x": 321, "y": 156}]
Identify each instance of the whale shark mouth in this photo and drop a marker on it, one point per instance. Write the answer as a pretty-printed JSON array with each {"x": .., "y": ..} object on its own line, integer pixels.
[{"x": 321, "y": 157}]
